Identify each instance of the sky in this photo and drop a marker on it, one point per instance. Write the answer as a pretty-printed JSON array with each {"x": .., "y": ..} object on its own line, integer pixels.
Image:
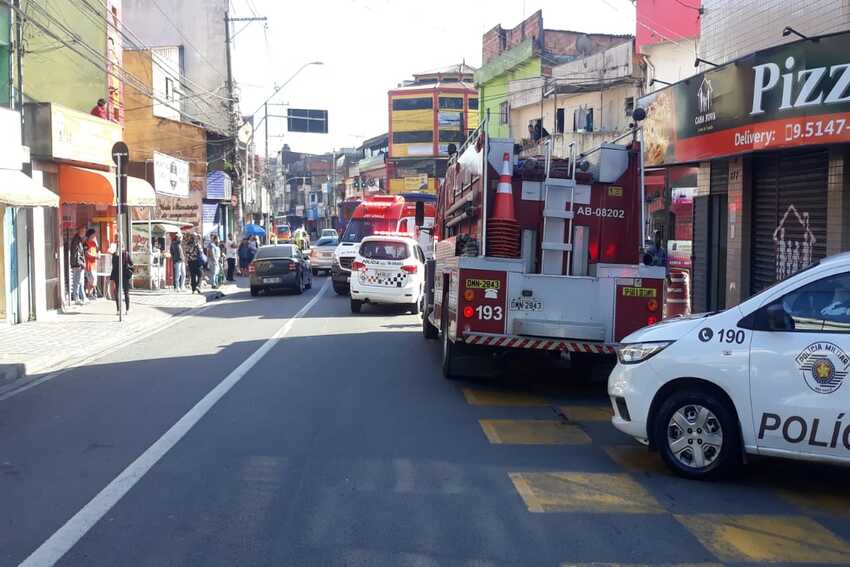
[{"x": 369, "y": 46}]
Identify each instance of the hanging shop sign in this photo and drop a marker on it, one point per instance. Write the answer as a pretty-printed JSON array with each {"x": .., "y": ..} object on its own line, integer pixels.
[
  {"x": 58, "y": 133},
  {"x": 796, "y": 94},
  {"x": 219, "y": 186},
  {"x": 171, "y": 175}
]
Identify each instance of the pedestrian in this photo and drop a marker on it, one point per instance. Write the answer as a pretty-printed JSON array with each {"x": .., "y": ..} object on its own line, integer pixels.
[
  {"x": 126, "y": 277},
  {"x": 655, "y": 254},
  {"x": 178, "y": 262},
  {"x": 243, "y": 256},
  {"x": 100, "y": 110},
  {"x": 90, "y": 246},
  {"x": 77, "y": 257},
  {"x": 231, "y": 252},
  {"x": 214, "y": 261},
  {"x": 253, "y": 246},
  {"x": 195, "y": 259}
]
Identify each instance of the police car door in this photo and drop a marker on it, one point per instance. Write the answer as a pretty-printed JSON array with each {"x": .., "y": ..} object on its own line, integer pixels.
[{"x": 799, "y": 360}]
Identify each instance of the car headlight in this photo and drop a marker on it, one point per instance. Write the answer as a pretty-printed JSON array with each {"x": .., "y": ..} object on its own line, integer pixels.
[{"x": 638, "y": 352}]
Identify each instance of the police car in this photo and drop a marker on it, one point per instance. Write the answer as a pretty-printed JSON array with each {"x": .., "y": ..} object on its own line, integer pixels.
[
  {"x": 388, "y": 270},
  {"x": 767, "y": 377}
]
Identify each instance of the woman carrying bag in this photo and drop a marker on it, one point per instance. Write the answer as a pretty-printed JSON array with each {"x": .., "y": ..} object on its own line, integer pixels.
[{"x": 126, "y": 276}]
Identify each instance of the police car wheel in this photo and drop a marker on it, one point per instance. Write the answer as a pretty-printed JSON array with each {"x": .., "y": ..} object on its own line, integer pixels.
[
  {"x": 356, "y": 306},
  {"x": 697, "y": 434},
  {"x": 340, "y": 289}
]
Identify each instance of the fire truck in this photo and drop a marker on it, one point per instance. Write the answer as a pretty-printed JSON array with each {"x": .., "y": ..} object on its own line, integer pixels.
[
  {"x": 380, "y": 214},
  {"x": 539, "y": 255}
]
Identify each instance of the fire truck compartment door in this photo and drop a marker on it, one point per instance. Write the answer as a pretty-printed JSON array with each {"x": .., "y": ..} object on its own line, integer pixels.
[{"x": 560, "y": 307}]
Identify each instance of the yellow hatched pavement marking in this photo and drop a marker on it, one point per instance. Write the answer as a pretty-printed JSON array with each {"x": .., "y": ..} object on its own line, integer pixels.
[
  {"x": 476, "y": 397},
  {"x": 587, "y": 413},
  {"x": 641, "y": 564},
  {"x": 767, "y": 539},
  {"x": 532, "y": 432},
  {"x": 584, "y": 492},
  {"x": 636, "y": 459}
]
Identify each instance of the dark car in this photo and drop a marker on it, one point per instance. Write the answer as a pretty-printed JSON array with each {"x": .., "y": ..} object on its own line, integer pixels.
[{"x": 280, "y": 266}]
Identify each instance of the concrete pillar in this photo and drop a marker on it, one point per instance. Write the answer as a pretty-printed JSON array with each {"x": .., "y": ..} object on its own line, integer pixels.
[
  {"x": 738, "y": 236},
  {"x": 38, "y": 263},
  {"x": 838, "y": 201}
]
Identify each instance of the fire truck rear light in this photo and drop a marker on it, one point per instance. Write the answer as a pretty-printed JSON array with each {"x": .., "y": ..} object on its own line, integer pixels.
[
  {"x": 652, "y": 305},
  {"x": 357, "y": 266},
  {"x": 409, "y": 269},
  {"x": 468, "y": 312},
  {"x": 651, "y": 320},
  {"x": 469, "y": 295}
]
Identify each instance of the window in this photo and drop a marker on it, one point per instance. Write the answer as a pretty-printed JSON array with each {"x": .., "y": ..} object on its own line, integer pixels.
[
  {"x": 473, "y": 104},
  {"x": 629, "y": 106},
  {"x": 169, "y": 89},
  {"x": 423, "y": 103},
  {"x": 503, "y": 113},
  {"x": 823, "y": 305},
  {"x": 559, "y": 121},
  {"x": 454, "y": 103},
  {"x": 412, "y": 137},
  {"x": 583, "y": 119},
  {"x": 280, "y": 251},
  {"x": 384, "y": 250},
  {"x": 452, "y": 136},
  {"x": 326, "y": 241}
]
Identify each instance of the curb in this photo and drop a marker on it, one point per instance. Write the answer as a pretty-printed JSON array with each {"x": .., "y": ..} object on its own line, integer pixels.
[{"x": 13, "y": 376}]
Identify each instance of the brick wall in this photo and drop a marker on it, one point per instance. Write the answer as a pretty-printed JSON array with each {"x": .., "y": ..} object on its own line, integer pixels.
[
  {"x": 499, "y": 39},
  {"x": 734, "y": 28},
  {"x": 563, "y": 42}
]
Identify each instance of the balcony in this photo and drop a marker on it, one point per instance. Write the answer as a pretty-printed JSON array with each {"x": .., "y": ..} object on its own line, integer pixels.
[{"x": 585, "y": 141}]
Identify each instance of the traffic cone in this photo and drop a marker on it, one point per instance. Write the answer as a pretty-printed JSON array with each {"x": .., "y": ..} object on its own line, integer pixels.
[{"x": 503, "y": 207}]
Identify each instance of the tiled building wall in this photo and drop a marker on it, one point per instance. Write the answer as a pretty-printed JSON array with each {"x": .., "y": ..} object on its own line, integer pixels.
[
  {"x": 734, "y": 28},
  {"x": 738, "y": 235}
]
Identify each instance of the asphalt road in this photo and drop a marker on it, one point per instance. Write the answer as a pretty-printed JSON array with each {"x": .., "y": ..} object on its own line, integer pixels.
[{"x": 339, "y": 443}]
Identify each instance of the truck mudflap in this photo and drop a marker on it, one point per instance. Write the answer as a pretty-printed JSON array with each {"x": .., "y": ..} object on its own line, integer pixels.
[{"x": 562, "y": 345}]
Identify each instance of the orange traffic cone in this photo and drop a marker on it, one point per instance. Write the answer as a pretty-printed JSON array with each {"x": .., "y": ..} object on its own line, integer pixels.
[{"x": 503, "y": 207}]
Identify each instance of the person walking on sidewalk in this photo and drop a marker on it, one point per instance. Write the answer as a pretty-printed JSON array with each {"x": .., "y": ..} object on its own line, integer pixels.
[
  {"x": 178, "y": 263},
  {"x": 214, "y": 261},
  {"x": 196, "y": 260},
  {"x": 77, "y": 253},
  {"x": 243, "y": 257},
  {"x": 91, "y": 263},
  {"x": 126, "y": 277},
  {"x": 231, "y": 252}
]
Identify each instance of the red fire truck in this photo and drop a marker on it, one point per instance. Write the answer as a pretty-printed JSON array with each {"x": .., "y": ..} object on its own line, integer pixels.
[
  {"x": 548, "y": 259},
  {"x": 375, "y": 215}
]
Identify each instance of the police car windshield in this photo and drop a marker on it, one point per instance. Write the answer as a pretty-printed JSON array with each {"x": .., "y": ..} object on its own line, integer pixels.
[
  {"x": 357, "y": 230},
  {"x": 384, "y": 250}
]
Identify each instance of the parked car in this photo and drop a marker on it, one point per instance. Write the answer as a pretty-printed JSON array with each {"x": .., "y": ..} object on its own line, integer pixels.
[
  {"x": 329, "y": 233},
  {"x": 322, "y": 254},
  {"x": 280, "y": 266},
  {"x": 284, "y": 233},
  {"x": 765, "y": 377},
  {"x": 388, "y": 270}
]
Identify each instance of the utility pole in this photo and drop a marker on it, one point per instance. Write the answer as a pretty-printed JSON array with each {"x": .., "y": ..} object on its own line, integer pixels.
[{"x": 19, "y": 60}]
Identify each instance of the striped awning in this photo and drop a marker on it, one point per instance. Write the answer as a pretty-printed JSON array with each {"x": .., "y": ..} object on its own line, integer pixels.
[{"x": 219, "y": 186}]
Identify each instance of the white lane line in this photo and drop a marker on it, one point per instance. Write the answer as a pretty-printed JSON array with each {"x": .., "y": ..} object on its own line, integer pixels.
[{"x": 66, "y": 537}]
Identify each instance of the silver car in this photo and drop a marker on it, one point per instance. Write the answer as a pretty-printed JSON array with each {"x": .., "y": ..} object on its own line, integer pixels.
[{"x": 322, "y": 254}]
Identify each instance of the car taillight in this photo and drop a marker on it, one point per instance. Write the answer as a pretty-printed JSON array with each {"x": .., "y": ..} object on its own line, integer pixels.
[
  {"x": 410, "y": 269},
  {"x": 468, "y": 312},
  {"x": 357, "y": 266},
  {"x": 469, "y": 295},
  {"x": 652, "y": 305},
  {"x": 651, "y": 320}
]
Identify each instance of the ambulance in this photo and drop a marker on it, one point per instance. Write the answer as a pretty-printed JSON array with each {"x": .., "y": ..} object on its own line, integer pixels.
[{"x": 766, "y": 377}]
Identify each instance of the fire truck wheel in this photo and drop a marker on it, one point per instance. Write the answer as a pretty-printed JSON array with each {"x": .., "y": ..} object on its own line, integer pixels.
[
  {"x": 340, "y": 289},
  {"x": 429, "y": 331},
  {"x": 254, "y": 291},
  {"x": 356, "y": 305},
  {"x": 449, "y": 351}
]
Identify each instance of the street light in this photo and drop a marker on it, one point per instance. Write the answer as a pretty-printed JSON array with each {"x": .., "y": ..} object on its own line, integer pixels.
[{"x": 789, "y": 30}]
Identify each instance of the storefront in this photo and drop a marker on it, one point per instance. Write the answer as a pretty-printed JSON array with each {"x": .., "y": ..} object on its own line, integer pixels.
[
  {"x": 770, "y": 134},
  {"x": 23, "y": 202}
]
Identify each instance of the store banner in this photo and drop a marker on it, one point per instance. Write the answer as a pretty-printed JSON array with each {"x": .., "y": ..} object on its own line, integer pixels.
[
  {"x": 792, "y": 95},
  {"x": 171, "y": 175},
  {"x": 219, "y": 186},
  {"x": 210, "y": 218}
]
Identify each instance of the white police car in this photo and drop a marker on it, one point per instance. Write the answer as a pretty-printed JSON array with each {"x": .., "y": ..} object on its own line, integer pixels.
[
  {"x": 388, "y": 270},
  {"x": 767, "y": 377}
]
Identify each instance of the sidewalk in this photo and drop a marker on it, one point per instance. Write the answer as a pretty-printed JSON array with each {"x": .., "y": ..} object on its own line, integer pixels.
[{"x": 70, "y": 337}]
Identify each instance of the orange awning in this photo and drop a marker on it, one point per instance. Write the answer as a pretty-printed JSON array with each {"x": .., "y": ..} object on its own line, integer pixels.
[{"x": 78, "y": 185}]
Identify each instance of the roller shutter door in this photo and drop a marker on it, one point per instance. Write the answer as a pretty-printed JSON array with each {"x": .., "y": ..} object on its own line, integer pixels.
[{"x": 789, "y": 213}]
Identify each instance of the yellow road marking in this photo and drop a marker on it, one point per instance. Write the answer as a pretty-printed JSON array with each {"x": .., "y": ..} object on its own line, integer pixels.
[
  {"x": 767, "y": 539},
  {"x": 532, "y": 432},
  {"x": 587, "y": 413},
  {"x": 584, "y": 492},
  {"x": 636, "y": 459},
  {"x": 476, "y": 397}
]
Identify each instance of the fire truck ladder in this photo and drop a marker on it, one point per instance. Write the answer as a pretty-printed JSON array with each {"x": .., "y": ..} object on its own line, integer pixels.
[{"x": 558, "y": 213}]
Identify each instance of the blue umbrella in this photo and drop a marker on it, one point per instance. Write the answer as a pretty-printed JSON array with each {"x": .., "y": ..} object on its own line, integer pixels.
[{"x": 252, "y": 229}]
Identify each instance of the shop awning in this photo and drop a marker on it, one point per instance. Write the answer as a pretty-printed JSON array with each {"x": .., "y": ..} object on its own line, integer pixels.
[
  {"x": 18, "y": 189},
  {"x": 161, "y": 225},
  {"x": 78, "y": 185}
]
